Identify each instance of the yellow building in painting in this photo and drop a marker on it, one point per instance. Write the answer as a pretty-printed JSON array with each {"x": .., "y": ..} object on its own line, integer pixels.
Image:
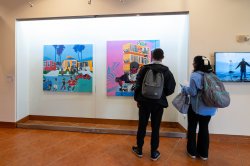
[
  {"x": 135, "y": 53},
  {"x": 86, "y": 65},
  {"x": 69, "y": 63}
]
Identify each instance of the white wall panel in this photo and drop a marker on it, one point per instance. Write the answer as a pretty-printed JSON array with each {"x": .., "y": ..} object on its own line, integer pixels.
[{"x": 171, "y": 30}]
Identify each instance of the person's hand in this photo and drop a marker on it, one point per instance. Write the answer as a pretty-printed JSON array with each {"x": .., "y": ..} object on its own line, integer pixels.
[
  {"x": 138, "y": 105},
  {"x": 183, "y": 90}
]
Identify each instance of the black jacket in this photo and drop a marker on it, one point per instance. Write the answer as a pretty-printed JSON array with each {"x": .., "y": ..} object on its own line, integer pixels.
[{"x": 169, "y": 84}]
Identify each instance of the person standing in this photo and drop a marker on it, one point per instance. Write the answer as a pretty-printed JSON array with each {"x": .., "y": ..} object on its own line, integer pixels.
[
  {"x": 55, "y": 87},
  {"x": 198, "y": 112},
  {"x": 63, "y": 87},
  {"x": 243, "y": 65},
  {"x": 153, "y": 107}
]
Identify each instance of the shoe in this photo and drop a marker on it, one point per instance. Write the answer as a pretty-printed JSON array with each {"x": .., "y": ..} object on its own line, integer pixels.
[
  {"x": 191, "y": 156},
  {"x": 203, "y": 158},
  {"x": 155, "y": 155},
  {"x": 137, "y": 151}
]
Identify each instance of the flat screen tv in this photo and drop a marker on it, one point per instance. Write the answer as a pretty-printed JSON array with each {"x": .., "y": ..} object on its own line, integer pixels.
[{"x": 232, "y": 66}]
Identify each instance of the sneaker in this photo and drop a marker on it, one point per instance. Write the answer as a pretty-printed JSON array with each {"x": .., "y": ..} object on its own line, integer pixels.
[
  {"x": 191, "y": 156},
  {"x": 137, "y": 151},
  {"x": 155, "y": 155},
  {"x": 203, "y": 158}
]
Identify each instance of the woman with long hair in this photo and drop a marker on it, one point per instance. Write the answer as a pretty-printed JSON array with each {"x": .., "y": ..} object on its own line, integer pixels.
[{"x": 198, "y": 112}]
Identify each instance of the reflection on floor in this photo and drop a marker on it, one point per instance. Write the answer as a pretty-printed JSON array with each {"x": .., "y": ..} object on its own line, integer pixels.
[{"x": 28, "y": 147}]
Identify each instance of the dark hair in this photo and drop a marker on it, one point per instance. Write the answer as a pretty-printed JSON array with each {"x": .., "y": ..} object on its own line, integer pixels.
[
  {"x": 201, "y": 63},
  {"x": 158, "y": 54},
  {"x": 134, "y": 65}
]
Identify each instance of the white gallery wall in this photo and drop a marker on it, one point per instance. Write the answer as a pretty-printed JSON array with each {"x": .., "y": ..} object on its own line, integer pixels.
[
  {"x": 211, "y": 31},
  {"x": 31, "y": 36}
]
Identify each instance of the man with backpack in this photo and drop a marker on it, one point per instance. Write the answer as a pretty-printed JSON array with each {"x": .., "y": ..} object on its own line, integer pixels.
[{"x": 153, "y": 83}]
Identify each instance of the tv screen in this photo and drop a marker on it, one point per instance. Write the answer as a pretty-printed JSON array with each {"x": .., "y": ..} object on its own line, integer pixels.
[{"x": 232, "y": 66}]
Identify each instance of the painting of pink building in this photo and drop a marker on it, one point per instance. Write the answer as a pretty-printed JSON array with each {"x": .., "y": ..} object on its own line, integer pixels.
[{"x": 124, "y": 59}]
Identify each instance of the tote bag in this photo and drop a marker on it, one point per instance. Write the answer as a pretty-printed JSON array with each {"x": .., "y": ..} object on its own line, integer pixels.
[{"x": 181, "y": 103}]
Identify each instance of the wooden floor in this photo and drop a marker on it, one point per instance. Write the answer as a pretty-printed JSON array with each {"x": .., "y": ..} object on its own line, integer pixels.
[{"x": 29, "y": 147}]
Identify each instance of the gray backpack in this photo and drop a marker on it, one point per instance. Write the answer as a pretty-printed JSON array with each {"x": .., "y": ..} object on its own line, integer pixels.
[
  {"x": 214, "y": 93},
  {"x": 152, "y": 85}
]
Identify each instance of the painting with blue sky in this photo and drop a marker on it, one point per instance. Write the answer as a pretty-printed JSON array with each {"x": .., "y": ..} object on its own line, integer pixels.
[
  {"x": 68, "y": 68},
  {"x": 232, "y": 66}
]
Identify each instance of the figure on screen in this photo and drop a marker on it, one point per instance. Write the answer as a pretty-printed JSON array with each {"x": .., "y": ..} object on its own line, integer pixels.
[
  {"x": 231, "y": 66},
  {"x": 243, "y": 65}
]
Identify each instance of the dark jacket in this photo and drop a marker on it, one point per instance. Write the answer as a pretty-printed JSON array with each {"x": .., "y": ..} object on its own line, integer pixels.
[{"x": 169, "y": 84}]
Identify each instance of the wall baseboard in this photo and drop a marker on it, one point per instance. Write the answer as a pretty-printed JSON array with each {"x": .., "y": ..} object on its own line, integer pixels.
[
  {"x": 95, "y": 125},
  {"x": 99, "y": 121},
  {"x": 93, "y": 129},
  {"x": 25, "y": 119},
  {"x": 13, "y": 124},
  {"x": 7, "y": 125}
]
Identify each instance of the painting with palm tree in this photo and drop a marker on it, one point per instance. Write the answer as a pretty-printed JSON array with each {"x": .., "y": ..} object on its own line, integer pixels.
[{"x": 68, "y": 68}]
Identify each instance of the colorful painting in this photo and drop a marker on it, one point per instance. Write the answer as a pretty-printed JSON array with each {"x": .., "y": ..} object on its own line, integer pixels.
[
  {"x": 68, "y": 68},
  {"x": 124, "y": 59}
]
